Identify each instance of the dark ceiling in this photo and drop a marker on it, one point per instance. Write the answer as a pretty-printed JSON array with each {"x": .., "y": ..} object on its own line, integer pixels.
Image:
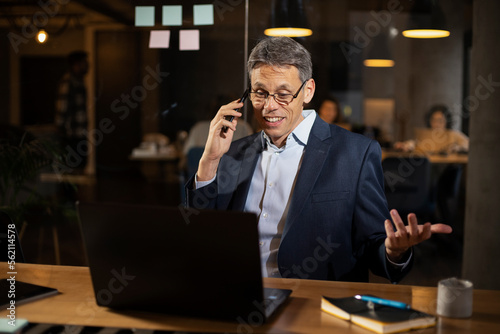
[
  {"x": 13, "y": 12},
  {"x": 122, "y": 11}
]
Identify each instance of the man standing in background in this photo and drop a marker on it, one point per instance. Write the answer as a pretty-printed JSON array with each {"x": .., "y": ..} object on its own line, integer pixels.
[{"x": 71, "y": 110}]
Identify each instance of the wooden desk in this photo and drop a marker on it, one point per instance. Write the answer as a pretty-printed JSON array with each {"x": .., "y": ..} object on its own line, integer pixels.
[
  {"x": 76, "y": 306},
  {"x": 433, "y": 158}
]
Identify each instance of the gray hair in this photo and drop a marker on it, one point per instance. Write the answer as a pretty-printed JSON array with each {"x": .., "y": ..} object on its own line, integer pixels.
[{"x": 280, "y": 52}]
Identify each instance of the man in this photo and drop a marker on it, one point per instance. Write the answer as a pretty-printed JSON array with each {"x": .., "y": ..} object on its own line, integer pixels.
[
  {"x": 316, "y": 188},
  {"x": 71, "y": 107}
]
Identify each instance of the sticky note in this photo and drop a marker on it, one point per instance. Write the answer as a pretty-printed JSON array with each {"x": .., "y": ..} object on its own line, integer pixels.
[
  {"x": 159, "y": 39},
  {"x": 144, "y": 16},
  {"x": 189, "y": 40},
  {"x": 172, "y": 15},
  {"x": 203, "y": 15}
]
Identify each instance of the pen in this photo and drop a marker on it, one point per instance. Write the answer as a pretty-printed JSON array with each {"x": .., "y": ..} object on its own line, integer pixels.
[{"x": 380, "y": 301}]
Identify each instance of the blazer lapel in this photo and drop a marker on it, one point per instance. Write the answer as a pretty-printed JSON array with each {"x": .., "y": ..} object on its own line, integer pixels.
[
  {"x": 315, "y": 155},
  {"x": 247, "y": 168}
]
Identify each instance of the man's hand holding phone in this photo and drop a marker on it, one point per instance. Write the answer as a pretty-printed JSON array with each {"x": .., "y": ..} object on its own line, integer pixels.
[
  {"x": 218, "y": 141},
  {"x": 230, "y": 118}
]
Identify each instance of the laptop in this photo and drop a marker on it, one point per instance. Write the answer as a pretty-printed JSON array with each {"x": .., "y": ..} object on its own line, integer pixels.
[
  {"x": 422, "y": 133},
  {"x": 201, "y": 263}
]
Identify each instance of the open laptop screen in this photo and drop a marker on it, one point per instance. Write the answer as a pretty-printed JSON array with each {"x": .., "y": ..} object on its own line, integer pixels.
[{"x": 171, "y": 259}]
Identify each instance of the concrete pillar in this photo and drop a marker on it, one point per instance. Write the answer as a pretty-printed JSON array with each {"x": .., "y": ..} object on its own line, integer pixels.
[{"x": 481, "y": 260}]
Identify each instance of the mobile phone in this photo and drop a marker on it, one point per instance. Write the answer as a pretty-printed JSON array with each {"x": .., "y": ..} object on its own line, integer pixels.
[{"x": 230, "y": 118}]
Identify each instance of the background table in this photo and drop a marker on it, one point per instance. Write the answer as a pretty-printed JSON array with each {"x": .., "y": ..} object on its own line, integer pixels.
[
  {"x": 166, "y": 163},
  {"x": 452, "y": 158}
]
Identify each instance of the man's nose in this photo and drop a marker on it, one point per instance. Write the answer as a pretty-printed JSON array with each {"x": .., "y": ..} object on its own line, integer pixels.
[{"x": 270, "y": 103}]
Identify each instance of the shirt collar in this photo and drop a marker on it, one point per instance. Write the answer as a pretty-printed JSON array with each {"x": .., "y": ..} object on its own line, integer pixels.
[{"x": 300, "y": 134}]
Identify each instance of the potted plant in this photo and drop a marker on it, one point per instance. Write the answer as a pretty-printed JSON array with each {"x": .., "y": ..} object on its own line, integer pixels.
[{"x": 22, "y": 158}]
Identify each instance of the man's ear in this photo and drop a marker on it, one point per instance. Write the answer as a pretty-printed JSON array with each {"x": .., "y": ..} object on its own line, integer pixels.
[{"x": 309, "y": 90}]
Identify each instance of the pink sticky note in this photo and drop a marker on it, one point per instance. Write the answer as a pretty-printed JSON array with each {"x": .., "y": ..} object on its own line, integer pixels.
[
  {"x": 159, "y": 39},
  {"x": 189, "y": 40}
]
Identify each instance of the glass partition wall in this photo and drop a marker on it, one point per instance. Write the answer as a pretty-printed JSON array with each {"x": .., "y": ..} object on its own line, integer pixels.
[
  {"x": 134, "y": 87},
  {"x": 193, "y": 83}
]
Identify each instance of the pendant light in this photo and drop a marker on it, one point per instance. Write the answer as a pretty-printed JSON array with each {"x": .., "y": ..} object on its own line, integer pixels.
[
  {"x": 379, "y": 54},
  {"x": 426, "y": 20},
  {"x": 288, "y": 19}
]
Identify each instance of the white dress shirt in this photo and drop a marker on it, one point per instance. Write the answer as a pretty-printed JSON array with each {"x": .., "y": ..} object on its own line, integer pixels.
[{"x": 272, "y": 187}]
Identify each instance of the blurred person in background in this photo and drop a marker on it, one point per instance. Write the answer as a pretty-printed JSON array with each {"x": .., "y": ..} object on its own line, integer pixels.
[
  {"x": 329, "y": 111},
  {"x": 71, "y": 110},
  {"x": 438, "y": 137}
]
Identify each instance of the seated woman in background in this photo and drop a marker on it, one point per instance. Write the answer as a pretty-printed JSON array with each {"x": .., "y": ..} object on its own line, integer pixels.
[
  {"x": 438, "y": 137},
  {"x": 329, "y": 111}
]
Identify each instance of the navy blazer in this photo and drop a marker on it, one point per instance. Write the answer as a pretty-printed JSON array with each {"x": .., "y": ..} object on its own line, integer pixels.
[{"x": 335, "y": 224}]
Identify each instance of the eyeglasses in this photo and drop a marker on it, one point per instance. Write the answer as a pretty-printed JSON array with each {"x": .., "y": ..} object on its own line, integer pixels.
[{"x": 260, "y": 97}]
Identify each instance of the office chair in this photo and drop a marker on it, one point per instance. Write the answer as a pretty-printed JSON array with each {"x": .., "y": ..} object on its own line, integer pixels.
[
  {"x": 193, "y": 158},
  {"x": 189, "y": 168},
  {"x": 448, "y": 189},
  {"x": 408, "y": 185},
  {"x": 10, "y": 244}
]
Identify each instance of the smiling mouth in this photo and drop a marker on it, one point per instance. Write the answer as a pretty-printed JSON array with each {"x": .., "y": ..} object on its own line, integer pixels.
[{"x": 273, "y": 119}]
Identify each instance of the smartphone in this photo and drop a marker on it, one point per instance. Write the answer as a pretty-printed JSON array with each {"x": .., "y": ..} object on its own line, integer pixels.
[{"x": 230, "y": 118}]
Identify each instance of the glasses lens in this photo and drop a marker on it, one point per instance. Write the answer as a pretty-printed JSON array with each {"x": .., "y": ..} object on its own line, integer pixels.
[
  {"x": 283, "y": 98},
  {"x": 258, "y": 97}
]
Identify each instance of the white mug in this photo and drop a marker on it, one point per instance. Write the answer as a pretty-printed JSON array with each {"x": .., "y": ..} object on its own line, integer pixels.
[{"x": 454, "y": 298}]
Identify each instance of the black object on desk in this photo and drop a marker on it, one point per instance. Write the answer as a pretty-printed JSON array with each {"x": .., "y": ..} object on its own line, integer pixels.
[
  {"x": 176, "y": 260},
  {"x": 21, "y": 292}
]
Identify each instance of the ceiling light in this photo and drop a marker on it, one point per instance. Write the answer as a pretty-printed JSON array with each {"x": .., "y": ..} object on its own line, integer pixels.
[
  {"x": 42, "y": 36},
  {"x": 378, "y": 63},
  {"x": 379, "y": 54},
  {"x": 290, "y": 32},
  {"x": 426, "y": 33},
  {"x": 288, "y": 19},
  {"x": 426, "y": 20}
]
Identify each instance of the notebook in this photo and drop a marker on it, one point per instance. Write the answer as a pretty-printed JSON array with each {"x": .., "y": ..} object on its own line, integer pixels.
[
  {"x": 377, "y": 318},
  {"x": 201, "y": 263}
]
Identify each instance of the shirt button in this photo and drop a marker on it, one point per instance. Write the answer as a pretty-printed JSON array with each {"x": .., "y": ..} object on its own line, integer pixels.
[
  {"x": 264, "y": 215},
  {"x": 271, "y": 184},
  {"x": 261, "y": 243}
]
